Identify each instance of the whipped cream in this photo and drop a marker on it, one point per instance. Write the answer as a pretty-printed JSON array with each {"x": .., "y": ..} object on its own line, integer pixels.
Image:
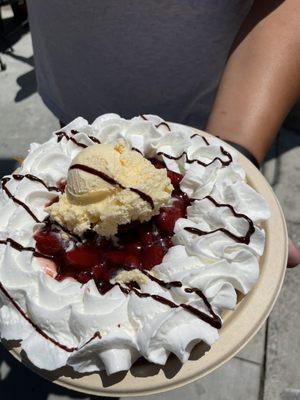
[{"x": 66, "y": 323}]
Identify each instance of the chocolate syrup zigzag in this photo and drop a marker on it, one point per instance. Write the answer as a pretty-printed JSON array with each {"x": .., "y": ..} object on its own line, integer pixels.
[
  {"x": 39, "y": 330},
  {"x": 223, "y": 151},
  {"x": 17, "y": 201},
  {"x": 203, "y": 137},
  {"x": 240, "y": 239},
  {"x": 214, "y": 320},
  {"x": 33, "y": 178},
  {"x": 168, "y": 126},
  {"x": 60, "y": 135},
  {"x": 113, "y": 182},
  {"x": 26, "y": 208},
  {"x": 189, "y": 161},
  {"x": 158, "y": 125}
]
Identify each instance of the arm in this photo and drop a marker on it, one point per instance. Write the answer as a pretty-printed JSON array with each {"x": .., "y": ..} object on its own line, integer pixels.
[{"x": 261, "y": 81}]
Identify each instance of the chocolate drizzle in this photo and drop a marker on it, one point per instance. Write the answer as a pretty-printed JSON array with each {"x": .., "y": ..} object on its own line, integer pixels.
[
  {"x": 40, "y": 331},
  {"x": 93, "y": 138},
  {"x": 164, "y": 124},
  {"x": 158, "y": 125},
  {"x": 26, "y": 208},
  {"x": 143, "y": 196},
  {"x": 189, "y": 161},
  {"x": 33, "y": 178},
  {"x": 61, "y": 134},
  {"x": 224, "y": 163},
  {"x": 19, "y": 247},
  {"x": 17, "y": 201},
  {"x": 202, "y": 137},
  {"x": 112, "y": 181},
  {"x": 166, "y": 285},
  {"x": 212, "y": 319},
  {"x": 223, "y": 151},
  {"x": 137, "y": 150},
  {"x": 240, "y": 239},
  {"x": 199, "y": 293}
]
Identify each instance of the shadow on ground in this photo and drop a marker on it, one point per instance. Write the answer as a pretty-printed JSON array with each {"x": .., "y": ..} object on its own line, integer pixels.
[
  {"x": 12, "y": 30},
  {"x": 7, "y": 166},
  {"x": 27, "y": 83},
  {"x": 17, "y": 381}
]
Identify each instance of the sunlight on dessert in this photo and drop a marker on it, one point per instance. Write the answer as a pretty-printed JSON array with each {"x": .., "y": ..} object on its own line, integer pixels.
[{"x": 110, "y": 185}]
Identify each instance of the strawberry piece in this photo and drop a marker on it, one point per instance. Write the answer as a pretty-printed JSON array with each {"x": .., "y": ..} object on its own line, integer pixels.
[
  {"x": 167, "y": 242},
  {"x": 121, "y": 258},
  {"x": 48, "y": 243},
  {"x": 62, "y": 185},
  {"x": 179, "y": 204},
  {"x": 83, "y": 257},
  {"x": 152, "y": 256},
  {"x": 59, "y": 277},
  {"x": 133, "y": 248},
  {"x": 116, "y": 258},
  {"x": 181, "y": 197},
  {"x": 167, "y": 218},
  {"x": 128, "y": 229},
  {"x": 175, "y": 178},
  {"x": 104, "y": 287},
  {"x": 132, "y": 261},
  {"x": 101, "y": 272},
  {"x": 147, "y": 238},
  {"x": 84, "y": 277}
]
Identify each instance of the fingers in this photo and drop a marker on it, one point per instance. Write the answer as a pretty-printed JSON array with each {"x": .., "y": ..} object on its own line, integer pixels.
[{"x": 294, "y": 255}]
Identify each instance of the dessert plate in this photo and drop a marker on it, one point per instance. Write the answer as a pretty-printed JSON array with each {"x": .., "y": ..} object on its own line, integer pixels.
[{"x": 238, "y": 328}]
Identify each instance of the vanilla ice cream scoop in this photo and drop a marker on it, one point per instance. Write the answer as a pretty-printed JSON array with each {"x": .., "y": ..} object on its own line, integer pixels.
[{"x": 109, "y": 185}]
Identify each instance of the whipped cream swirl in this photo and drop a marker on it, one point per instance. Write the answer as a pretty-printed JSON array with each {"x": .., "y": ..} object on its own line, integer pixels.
[{"x": 66, "y": 323}]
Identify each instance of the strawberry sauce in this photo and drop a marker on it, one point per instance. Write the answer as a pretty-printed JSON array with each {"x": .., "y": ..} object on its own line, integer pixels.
[{"x": 137, "y": 245}]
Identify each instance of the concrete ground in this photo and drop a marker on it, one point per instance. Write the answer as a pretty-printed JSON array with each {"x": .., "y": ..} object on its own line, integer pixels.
[{"x": 268, "y": 367}]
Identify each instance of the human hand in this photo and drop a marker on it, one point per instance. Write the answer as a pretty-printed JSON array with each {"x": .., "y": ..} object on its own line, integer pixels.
[{"x": 294, "y": 255}]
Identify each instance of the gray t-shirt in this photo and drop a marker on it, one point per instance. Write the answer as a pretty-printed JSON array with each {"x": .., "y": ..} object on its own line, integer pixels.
[{"x": 132, "y": 56}]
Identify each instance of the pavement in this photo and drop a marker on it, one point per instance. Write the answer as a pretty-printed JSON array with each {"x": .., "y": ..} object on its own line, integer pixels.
[{"x": 268, "y": 367}]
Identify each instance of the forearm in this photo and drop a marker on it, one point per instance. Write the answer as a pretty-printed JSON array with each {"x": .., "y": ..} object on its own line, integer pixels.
[{"x": 261, "y": 80}]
